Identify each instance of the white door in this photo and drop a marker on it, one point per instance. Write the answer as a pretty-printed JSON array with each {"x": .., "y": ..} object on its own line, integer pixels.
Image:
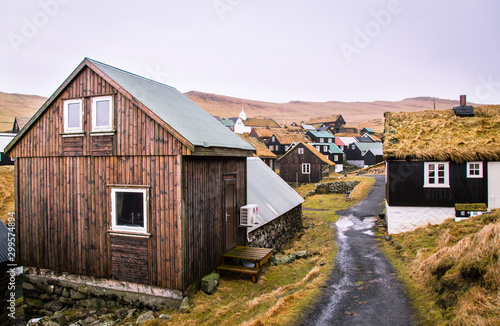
[{"x": 493, "y": 185}]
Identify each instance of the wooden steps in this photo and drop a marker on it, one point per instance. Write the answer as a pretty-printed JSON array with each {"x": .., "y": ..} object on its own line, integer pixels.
[{"x": 254, "y": 271}]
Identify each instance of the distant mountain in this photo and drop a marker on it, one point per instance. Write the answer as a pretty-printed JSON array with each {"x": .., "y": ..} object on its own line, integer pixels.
[
  {"x": 17, "y": 105},
  {"x": 360, "y": 114}
]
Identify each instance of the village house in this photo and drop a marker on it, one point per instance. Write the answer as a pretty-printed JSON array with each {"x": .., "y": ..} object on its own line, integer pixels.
[
  {"x": 244, "y": 125},
  {"x": 263, "y": 134},
  {"x": 282, "y": 139},
  {"x": 366, "y": 130},
  {"x": 437, "y": 160},
  {"x": 331, "y": 152},
  {"x": 321, "y": 136},
  {"x": 19, "y": 123},
  {"x": 344, "y": 142},
  {"x": 373, "y": 156},
  {"x": 126, "y": 181},
  {"x": 5, "y": 139},
  {"x": 348, "y": 129},
  {"x": 303, "y": 163},
  {"x": 262, "y": 152},
  {"x": 355, "y": 152},
  {"x": 333, "y": 123}
]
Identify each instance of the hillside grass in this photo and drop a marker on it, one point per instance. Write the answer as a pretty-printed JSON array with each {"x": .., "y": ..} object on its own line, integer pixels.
[
  {"x": 452, "y": 270},
  {"x": 6, "y": 192}
]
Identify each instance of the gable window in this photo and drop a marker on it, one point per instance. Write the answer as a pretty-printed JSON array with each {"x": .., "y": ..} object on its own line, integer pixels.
[
  {"x": 73, "y": 116},
  {"x": 129, "y": 210},
  {"x": 474, "y": 169},
  {"x": 436, "y": 175},
  {"x": 301, "y": 151},
  {"x": 306, "y": 168},
  {"x": 102, "y": 113}
]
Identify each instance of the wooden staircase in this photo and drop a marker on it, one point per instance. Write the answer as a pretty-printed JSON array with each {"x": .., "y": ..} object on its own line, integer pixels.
[{"x": 258, "y": 255}]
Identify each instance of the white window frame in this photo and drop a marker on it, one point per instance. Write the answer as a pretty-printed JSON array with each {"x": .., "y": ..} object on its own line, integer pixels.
[
  {"x": 67, "y": 129},
  {"x": 479, "y": 169},
  {"x": 306, "y": 168},
  {"x": 335, "y": 158},
  {"x": 322, "y": 140},
  {"x": 329, "y": 140},
  {"x": 318, "y": 148},
  {"x": 301, "y": 151},
  {"x": 271, "y": 148},
  {"x": 286, "y": 148},
  {"x": 129, "y": 229},
  {"x": 436, "y": 184},
  {"x": 94, "y": 113},
  {"x": 325, "y": 148}
]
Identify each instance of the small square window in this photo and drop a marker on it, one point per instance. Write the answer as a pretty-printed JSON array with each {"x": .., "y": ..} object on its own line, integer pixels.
[
  {"x": 102, "y": 113},
  {"x": 129, "y": 210},
  {"x": 474, "y": 169},
  {"x": 436, "y": 175},
  {"x": 271, "y": 148},
  {"x": 73, "y": 116},
  {"x": 306, "y": 168}
]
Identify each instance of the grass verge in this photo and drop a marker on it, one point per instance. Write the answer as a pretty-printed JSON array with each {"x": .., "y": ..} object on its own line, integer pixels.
[
  {"x": 451, "y": 270},
  {"x": 6, "y": 192}
]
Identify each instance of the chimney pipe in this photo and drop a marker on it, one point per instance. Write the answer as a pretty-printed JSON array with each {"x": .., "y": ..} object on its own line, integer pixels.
[{"x": 463, "y": 100}]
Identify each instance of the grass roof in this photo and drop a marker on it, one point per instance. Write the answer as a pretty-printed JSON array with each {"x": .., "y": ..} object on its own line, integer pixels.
[{"x": 442, "y": 136}]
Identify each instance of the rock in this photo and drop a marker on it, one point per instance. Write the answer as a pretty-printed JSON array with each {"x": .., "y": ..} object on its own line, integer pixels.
[
  {"x": 131, "y": 312},
  {"x": 184, "y": 307},
  {"x": 164, "y": 317},
  {"x": 46, "y": 312},
  {"x": 145, "y": 316},
  {"x": 66, "y": 293},
  {"x": 53, "y": 305},
  {"x": 209, "y": 283},
  {"x": 45, "y": 321},
  {"x": 30, "y": 287},
  {"x": 77, "y": 295},
  {"x": 45, "y": 297},
  {"x": 59, "y": 318},
  {"x": 79, "y": 323},
  {"x": 35, "y": 303},
  {"x": 65, "y": 300},
  {"x": 301, "y": 254},
  {"x": 288, "y": 259},
  {"x": 93, "y": 303}
]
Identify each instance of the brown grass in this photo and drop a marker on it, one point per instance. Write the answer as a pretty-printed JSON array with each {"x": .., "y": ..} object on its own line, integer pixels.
[
  {"x": 442, "y": 136},
  {"x": 6, "y": 192},
  {"x": 452, "y": 270}
]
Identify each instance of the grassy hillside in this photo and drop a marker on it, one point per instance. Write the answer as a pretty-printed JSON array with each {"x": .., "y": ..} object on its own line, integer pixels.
[
  {"x": 6, "y": 192},
  {"x": 452, "y": 270},
  {"x": 12, "y": 105}
]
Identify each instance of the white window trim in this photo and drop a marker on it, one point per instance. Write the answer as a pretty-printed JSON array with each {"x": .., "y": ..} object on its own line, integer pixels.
[
  {"x": 301, "y": 151},
  {"x": 94, "y": 115},
  {"x": 480, "y": 175},
  {"x": 271, "y": 148},
  {"x": 335, "y": 157},
  {"x": 66, "y": 116},
  {"x": 325, "y": 148},
  {"x": 129, "y": 229},
  {"x": 446, "y": 183},
  {"x": 306, "y": 168}
]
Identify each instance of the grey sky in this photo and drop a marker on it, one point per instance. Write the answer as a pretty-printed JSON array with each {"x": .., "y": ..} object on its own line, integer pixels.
[{"x": 266, "y": 50}]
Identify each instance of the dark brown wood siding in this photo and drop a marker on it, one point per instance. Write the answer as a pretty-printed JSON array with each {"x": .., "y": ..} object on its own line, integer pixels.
[
  {"x": 291, "y": 166},
  {"x": 64, "y": 213},
  {"x": 136, "y": 133},
  {"x": 204, "y": 221}
]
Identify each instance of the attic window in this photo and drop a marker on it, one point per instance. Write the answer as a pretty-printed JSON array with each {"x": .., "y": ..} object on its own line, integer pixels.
[
  {"x": 436, "y": 175},
  {"x": 474, "y": 169},
  {"x": 129, "y": 210},
  {"x": 102, "y": 113},
  {"x": 301, "y": 151},
  {"x": 73, "y": 116}
]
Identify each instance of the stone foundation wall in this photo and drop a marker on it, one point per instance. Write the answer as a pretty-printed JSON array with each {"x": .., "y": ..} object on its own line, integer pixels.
[
  {"x": 277, "y": 233},
  {"x": 48, "y": 291}
]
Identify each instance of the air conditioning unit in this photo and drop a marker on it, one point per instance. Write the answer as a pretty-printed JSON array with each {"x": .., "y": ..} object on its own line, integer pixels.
[{"x": 248, "y": 214}]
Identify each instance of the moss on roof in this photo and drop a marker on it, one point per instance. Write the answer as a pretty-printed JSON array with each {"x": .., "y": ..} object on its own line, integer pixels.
[
  {"x": 258, "y": 122},
  {"x": 262, "y": 150},
  {"x": 442, "y": 136}
]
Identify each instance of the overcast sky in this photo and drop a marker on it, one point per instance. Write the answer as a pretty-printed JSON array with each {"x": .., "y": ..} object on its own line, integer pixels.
[{"x": 281, "y": 50}]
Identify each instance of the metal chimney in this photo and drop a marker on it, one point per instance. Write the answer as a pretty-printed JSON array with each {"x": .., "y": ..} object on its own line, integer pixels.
[
  {"x": 463, "y": 110},
  {"x": 463, "y": 100}
]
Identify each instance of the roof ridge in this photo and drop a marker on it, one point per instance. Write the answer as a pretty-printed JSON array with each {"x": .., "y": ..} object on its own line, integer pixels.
[{"x": 128, "y": 73}]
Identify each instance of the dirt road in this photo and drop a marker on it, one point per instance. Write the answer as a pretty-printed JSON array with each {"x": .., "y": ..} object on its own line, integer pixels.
[{"x": 363, "y": 288}]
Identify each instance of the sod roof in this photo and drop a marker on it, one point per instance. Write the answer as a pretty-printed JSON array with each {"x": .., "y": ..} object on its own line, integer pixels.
[{"x": 442, "y": 136}]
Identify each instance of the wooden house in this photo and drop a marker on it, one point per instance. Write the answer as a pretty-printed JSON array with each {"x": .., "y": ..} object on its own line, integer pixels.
[
  {"x": 262, "y": 152},
  {"x": 334, "y": 122},
  {"x": 263, "y": 134},
  {"x": 366, "y": 130},
  {"x": 282, "y": 139},
  {"x": 124, "y": 178},
  {"x": 331, "y": 152},
  {"x": 303, "y": 163},
  {"x": 373, "y": 156},
  {"x": 355, "y": 153},
  {"x": 321, "y": 136},
  {"x": 19, "y": 123},
  {"x": 348, "y": 129},
  {"x": 436, "y": 160},
  {"x": 5, "y": 139},
  {"x": 344, "y": 142}
]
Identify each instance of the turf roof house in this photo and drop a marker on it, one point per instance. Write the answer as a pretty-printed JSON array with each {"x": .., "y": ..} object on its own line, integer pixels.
[
  {"x": 303, "y": 163},
  {"x": 437, "y": 160},
  {"x": 282, "y": 139},
  {"x": 120, "y": 177},
  {"x": 333, "y": 123}
]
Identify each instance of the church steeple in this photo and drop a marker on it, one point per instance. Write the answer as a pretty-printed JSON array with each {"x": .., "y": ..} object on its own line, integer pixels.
[{"x": 243, "y": 115}]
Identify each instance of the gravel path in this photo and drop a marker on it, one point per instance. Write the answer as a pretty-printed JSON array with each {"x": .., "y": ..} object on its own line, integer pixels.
[{"x": 363, "y": 288}]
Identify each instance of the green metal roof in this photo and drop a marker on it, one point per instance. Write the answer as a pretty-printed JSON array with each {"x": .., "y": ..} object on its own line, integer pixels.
[
  {"x": 321, "y": 134},
  {"x": 367, "y": 146},
  {"x": 176, "y": 109},
  {"x": 333, "y": 148}
]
